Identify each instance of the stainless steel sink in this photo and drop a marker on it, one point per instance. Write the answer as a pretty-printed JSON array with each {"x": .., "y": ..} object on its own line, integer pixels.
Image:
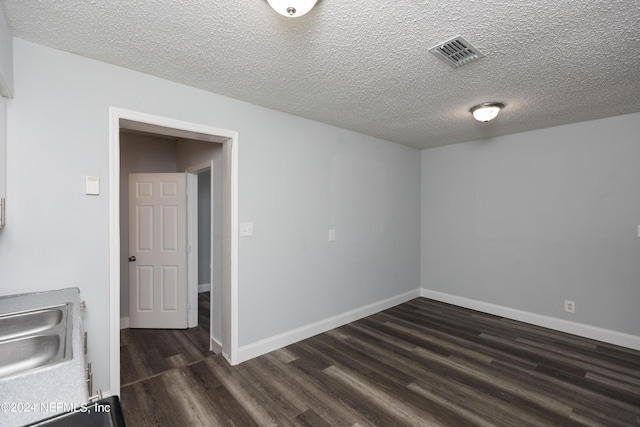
[
  {"x": 34, "y": 339},
  {"x": 30, "y": 322}
]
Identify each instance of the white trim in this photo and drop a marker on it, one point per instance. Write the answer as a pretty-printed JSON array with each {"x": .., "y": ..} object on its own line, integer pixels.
[
  {"x": 192, "y": 252},
  {"x": 204, "y": 287},
  {"x": 114, "y": 251},
  {"x": 229, "y": 139},
  {"x": 230, "y": 224},
  {"x": 235, "y": 234},
  {"x": 124, "y": 322},
  {"x": 264, "y": 346},
  {"x": 579, "y": 329},
  {"x": 213, "y": 320}
]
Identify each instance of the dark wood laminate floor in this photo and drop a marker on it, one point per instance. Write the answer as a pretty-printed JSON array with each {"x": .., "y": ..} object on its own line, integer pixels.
[
  {"x": 204, "y": 311},
  {"x": 422, "y": 363},
  {"x": 145, "y": 353}
]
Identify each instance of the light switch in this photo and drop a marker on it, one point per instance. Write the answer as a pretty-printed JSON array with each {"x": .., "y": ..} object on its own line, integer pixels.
[
  {"x": 92, "y": 185},
  {"x": 332, "y": 235},
  {"x": 246, "y": 229}
]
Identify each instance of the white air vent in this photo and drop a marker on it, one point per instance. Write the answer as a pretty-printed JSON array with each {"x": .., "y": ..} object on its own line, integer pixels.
[{"x": 456, "y": 52}]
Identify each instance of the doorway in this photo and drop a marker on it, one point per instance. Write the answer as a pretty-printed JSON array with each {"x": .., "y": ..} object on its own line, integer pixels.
[{"x": 169, "y": 128}]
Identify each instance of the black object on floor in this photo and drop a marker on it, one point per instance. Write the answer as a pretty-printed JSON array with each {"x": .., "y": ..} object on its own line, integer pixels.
[{"x": 104, "y": 413}]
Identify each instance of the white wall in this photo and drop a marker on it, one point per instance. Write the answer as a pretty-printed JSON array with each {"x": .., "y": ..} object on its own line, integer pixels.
[
  {"x": 526, "y": 221},
  {"x": 297, "y": 178}
]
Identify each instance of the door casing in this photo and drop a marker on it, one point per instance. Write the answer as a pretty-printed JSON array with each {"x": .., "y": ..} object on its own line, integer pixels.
[{"x": 132, "y": 120}]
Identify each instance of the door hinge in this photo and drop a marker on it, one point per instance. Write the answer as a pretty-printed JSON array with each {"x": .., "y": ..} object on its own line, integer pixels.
[
  {"x": 188, "y": 306},
  {"x": 188, "y": 250}
]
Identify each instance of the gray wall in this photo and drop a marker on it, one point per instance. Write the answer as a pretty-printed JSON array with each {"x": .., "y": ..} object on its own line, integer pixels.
[
  {"x": 204, "y": 228},
  {"x": 297, "y": 179},
  {"x": 528, "y": 220},
  {"x": 368, "y": 190}
]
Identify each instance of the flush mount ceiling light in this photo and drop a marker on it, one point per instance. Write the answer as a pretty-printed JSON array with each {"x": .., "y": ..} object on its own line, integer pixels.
[
  {"x": 292, "y": 8},
  {"x": 486, "y": 111}
]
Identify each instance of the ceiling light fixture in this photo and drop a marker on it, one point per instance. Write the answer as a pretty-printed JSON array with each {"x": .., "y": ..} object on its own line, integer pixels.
[
  {"x": 486, "y": 111},
  {"x": 292, "y": 8}
]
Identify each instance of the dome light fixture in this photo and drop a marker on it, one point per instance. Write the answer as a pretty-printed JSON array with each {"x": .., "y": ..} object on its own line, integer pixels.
[
  {"x": 292, "y": 8},
  {"x": 486, "y": 111}
]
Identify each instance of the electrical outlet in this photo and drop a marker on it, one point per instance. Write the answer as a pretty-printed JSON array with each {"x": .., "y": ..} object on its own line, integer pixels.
[
  {"x": 246, "y": 229},
  {"x": 569, "y": 306}
]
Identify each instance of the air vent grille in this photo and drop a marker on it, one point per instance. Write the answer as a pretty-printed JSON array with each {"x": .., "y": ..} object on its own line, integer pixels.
[{"x": 456, "y": 52}]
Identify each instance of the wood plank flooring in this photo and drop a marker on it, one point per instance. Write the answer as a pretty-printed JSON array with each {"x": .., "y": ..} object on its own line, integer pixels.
[
  {"x": 422, "y": 363},
  {"x": 145, "y": 353}
]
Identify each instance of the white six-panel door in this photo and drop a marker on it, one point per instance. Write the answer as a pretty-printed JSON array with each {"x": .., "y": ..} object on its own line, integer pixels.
[{"x": 157, "y": 251}]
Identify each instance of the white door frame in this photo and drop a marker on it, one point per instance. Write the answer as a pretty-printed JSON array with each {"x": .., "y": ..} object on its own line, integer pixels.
[
  {"x": 192, "y": 251},
  {"x": 120, "y": 118},
  {"x": 214, "y": 342}
]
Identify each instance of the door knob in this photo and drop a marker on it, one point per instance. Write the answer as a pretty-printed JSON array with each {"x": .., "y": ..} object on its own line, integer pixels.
[{"x": 132, "y": 259}]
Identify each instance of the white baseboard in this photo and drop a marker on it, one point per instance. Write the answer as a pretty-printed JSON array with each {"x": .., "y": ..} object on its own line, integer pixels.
[
  {"x": 579, "y": 329},
  {"x": 124, "y": 322},
  {"x": 204, "y": 287},
  {"x": 264, "y": 346}
]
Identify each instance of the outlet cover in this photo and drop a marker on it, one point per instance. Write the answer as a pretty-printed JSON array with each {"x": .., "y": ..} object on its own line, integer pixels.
[
  {"x": 569, "y": 306},
  {"x": 246, "y": 229}
]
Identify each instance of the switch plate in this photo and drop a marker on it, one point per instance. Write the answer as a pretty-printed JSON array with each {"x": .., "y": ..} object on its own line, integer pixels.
[
  {"x": 246, "y": 229},
  {"x": 332, "y": 235},
  {"x": 569, "y": 306},
  {"x": 92, "y": 185}
]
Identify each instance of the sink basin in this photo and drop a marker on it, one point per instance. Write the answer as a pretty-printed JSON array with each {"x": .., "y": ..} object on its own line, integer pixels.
[
  {"x": 30, "y": 322},
  {"x": 34, "y": 339},
  {"x": 25, "y": 354},
  {"x": 41, "y": 355}
]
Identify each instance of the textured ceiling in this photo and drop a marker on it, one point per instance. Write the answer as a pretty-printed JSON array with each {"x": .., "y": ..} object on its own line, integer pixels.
[{"x": 364, "y": 65}]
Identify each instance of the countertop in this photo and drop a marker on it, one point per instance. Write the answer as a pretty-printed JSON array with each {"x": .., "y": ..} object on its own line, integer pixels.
[{"x": 50, "y": 390}]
